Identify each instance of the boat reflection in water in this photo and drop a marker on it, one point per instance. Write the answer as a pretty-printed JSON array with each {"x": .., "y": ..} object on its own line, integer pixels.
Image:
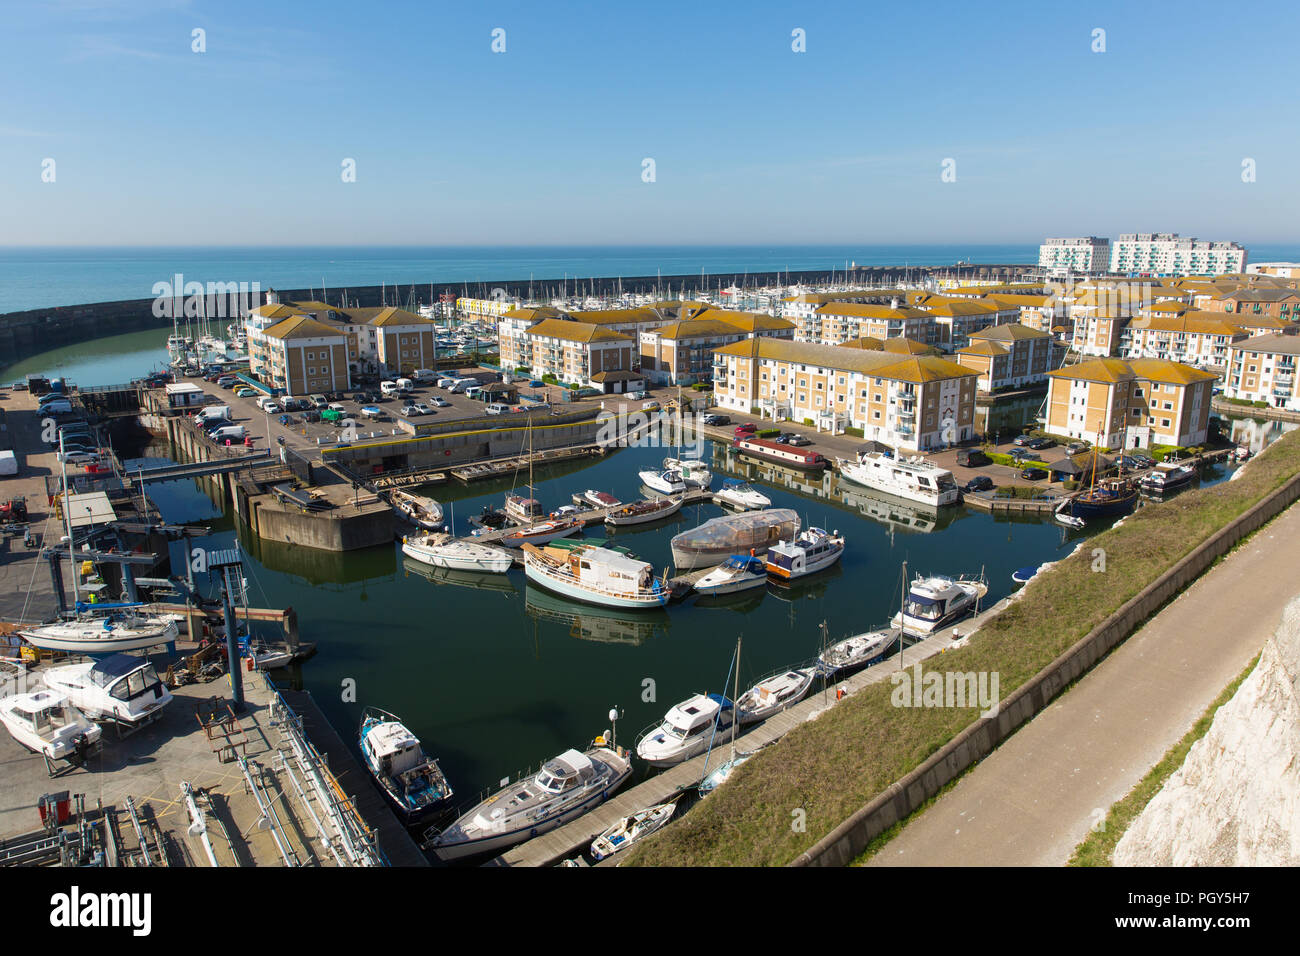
[
  {"x": 478, "y": 580},
  {"x": 810, "y": 588},
  {"x": 588, "y": 623}
]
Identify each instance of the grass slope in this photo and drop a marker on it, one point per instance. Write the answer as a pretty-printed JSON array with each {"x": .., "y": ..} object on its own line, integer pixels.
[{"x": 780, "y": 802}]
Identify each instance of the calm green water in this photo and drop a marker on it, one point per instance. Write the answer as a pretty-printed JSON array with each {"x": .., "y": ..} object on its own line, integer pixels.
[
  {"x": 108, "y": 361},
  {"x": 495, "y": 676}
]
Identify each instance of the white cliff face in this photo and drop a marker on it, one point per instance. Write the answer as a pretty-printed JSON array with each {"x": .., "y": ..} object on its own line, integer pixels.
[{"x": 1236, "y": 799}]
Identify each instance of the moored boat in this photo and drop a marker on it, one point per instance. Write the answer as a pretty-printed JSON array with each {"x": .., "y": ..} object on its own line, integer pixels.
[
  {"x": 419, "y": 510},
  {"x": 595, "y": 499},
  {"x": 693, "y": 471},
  {"x": 738, "y": 573},
  {"x": 719, "y": 538},
  {"x": 665, "y": 482},
  {"x": 741, "y": 495},
  {"x": 935, "y": 602},
  {"x": 812, "y": 551},
  {"x": 443, "y": 551},
  {"x": 1108, "y": 498},
  {"x": 566, "y": 787},
  {"x": 631, "y": 828},
  {"x": 788, "y": 455},
  {"x": 1167, "y": 476},
  {"x": 542, "y": 532},
  {"x": 686, "y": 730},
  {"x": 774, "y": 694},
  {"x": 644, "y": 511},
  {"x": 523, "y": 509},
  {"x": 596, "y": 575},
  {"x": 856, "y": 651},
  {"x": 914, "y": 478},
  {"x": 413, "y": 783}
]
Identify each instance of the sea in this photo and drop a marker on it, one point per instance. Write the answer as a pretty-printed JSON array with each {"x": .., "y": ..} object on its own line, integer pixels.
[{"x": 45, "y": 277}]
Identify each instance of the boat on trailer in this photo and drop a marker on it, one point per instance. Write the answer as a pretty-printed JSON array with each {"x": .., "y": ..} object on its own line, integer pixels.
[
  {"x": 104, "y": 629},
  {"x": 48, "y": 723},
  {"x": 122, "y": 688},
  {"x": 413, "y": 782}
]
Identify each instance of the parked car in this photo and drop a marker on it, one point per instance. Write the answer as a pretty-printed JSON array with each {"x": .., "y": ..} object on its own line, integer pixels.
[
  {"x": 498, "y": 408},
  {"x": 320, "y": 401},
  {"x": 1040, "y": 443},
  {"x": 1033, "y": 474},
  {"x": 408, "y": 410},
  {"x": 712, "y": 419},
  {"x": 980, "y": 483},
  {"x": 650, "y": 406},
  {"x": 972, "y": 458},
  {"x": 746, "y": 429},
  {"x": 438, "y": 401},
  {"x": 537, "y": 383},
  {"x": 1075, "y": 447},
  {"x": 1023, "y": 440},
  {"x": 799, "y": 441},
  {"x": 245, "y": 392}
]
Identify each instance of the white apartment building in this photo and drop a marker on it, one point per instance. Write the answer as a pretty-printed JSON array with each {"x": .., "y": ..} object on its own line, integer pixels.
[
  {"x": 1085, "y": 254},
  {"x": 1166, "y": 254},
  {"x": 485, "y": 308}
]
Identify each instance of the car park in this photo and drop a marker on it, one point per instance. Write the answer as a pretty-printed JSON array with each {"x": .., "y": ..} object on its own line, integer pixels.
[
  {"x": 980, "y": 483},
  {"x": 1033, "y": 474}
]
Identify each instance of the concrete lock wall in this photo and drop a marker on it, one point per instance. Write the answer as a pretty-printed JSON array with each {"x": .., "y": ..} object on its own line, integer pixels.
[
  {"x": 327, "y": 532},
  {"x": 847, "y": 841},
  {"x": 459, "y": 449}
]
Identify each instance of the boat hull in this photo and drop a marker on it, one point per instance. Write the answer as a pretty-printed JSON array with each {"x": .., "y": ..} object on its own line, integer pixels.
[
  {"x": 570, "y": 589},
  {"x": 860, "y": 475},
  {"x": 71, "y": 640},
  {"x": 621, "y": 520},
  {"x": 460, "y": 559}
]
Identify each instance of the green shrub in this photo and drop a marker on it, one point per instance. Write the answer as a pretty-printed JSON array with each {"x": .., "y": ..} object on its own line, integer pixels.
[
  {"x": 768, "y": 432},
  {"x": 808, "y": 422},
  {"x": 855, "y": 432}
]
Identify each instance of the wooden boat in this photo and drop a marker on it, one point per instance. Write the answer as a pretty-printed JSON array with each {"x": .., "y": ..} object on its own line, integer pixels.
[
  {"x": 593, "y": 575},
  {"x": 641, "y": 512}
]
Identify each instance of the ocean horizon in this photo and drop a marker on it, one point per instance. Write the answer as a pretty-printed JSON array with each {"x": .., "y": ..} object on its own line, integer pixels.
[{"x": 46, "y": 277}]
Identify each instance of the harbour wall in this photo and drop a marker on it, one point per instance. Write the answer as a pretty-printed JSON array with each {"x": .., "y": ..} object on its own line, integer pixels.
[
  {"x": 902, "y": 798},
  {"x": 32, "y": 331}
]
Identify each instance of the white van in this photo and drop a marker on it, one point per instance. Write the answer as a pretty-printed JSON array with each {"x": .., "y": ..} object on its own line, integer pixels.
[
  {"x": 213, "y": 413},
  {"x": 498, "y": 408},
  {"x": 225, "y": 433},
  {"x": 405, "y": 385},
  {"x": 424, "y": 375},
  {"x": 265, "y": 402},
  {"x": 388, "y": 389},
  {"x": 447, "y": 381},
  {"x": 463, "y": 385},
  {"x": 475, "y": 392}
]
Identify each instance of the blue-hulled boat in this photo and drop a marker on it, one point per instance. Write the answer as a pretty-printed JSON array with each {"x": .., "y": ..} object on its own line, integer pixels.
[
  {"x": 413, "y": 783},
  {"x": 1022, "y": 575},
  {"x": 1109, "y": 498}
]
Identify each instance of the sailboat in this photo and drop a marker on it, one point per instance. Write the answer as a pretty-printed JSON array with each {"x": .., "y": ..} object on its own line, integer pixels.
[
  {"x": 721, "y": 773},
  {"x": 1107, "y": 498},
  {"x": 525, "y": 509}
]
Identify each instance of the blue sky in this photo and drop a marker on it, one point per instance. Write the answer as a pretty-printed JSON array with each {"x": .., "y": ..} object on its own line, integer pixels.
[{"x": 543, "y": 144}]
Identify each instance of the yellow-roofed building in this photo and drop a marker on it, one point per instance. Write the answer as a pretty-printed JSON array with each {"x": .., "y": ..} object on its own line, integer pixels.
[
  {"x": 1008, "y": 356},
  {"x": 911, "y": 402},
  {"x": 1193, "y": 337},
  {"x": 1117, "y": 404}
]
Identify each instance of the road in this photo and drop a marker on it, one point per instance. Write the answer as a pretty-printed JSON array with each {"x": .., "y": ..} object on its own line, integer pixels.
[{"x": 1033, "y": 800}]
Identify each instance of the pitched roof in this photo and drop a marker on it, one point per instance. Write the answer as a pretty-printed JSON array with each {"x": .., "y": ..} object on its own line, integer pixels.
[
  {"x": 984, "y": 348},
  {"x": 937, "y": 305},
  {"x": 864, "y": 310},
  {"x": 1117, "y": 370},
  {"x": 575, "y": 331},
  {"x": 302, "y": 327},
  {"x": 899, "y": 345},
  {"x": 881, "y": 364},
  {"x": 1193, "y": 321},
  {"x": 1010, "y": 332},
  {"x": 392, "y": 316},
  {"x": 1162, "y": 370},
  {"x": 1286, "y": 344},
  {"x": 1096, "y": 370}
]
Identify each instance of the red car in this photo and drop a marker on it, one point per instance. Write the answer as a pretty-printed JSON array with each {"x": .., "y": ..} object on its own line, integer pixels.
[{"x": 746, "y": 429}]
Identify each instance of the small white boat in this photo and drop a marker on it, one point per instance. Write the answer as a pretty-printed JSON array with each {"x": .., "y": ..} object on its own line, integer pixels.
[
  {"x": 523, "y": 509},
  {"x": 118, "y": 628},
  {"x": 444, "y": 551},
  {"x": 1241, "y": 453},
  {"x": 595, "y": 499},
  {"x": 664, "y": 482},
  {"x": 740, "y": 494},
  {"x": 121, "y": 688},
  {"x": 644, "y": 511},
  {"x": 1167, "y": 476},
  {"x": 1070, "y": 521},
  {"x": 630, "y": 829},
  {"x": 693, "y": 471},
  {"x": 856, "y": 651},
  {"x": 424, "y": 512},
  {"x": 937, "y": 601},
  {"x": 47, "y": 722},
  {"x": 686, "y": 730},
  {"x": 738, "y": 573},
  {"x": 812, "y": 551},
  {"x": 721, "y": 774},
  {"x": 771, "y": 696}
]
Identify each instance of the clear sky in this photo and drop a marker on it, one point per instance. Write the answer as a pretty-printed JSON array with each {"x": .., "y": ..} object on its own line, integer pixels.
[{"x": 544, "y": 143}]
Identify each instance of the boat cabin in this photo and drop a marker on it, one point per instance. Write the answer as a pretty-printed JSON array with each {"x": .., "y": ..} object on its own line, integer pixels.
[
  {"x": 131, "y": 684},
  {"x": 43, "y": 713},
  {"x": 393, "y": 749},
  {"x": 570, "y": 769},
  {"x": 609, "y": 570},
  {"x": 696, "y": 716},
  {"x": 932, "y": 599}
]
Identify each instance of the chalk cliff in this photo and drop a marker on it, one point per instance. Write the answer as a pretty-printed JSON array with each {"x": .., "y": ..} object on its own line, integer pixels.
[{"x": 1236, "y": 799}]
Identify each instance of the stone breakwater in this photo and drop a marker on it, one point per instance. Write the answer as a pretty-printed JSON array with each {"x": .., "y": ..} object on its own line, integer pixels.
[
  {"x": 1236, "y": 798},
  {"x": 30, "y": 332}
]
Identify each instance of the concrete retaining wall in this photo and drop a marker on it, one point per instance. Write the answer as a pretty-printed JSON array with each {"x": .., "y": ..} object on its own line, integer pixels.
[
  {"x": 332, "y": 531},
  {"x": 847, "y": 841}
]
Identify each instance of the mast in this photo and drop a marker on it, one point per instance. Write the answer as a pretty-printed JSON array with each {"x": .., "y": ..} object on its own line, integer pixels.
[
  {"x": 67, "y": 518},
  {"x": 735, "y": 706},
  {"x": 902, "y": 611}
]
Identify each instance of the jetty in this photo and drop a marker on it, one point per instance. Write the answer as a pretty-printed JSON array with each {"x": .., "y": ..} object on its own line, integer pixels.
[{"x": 575, "y": 837}]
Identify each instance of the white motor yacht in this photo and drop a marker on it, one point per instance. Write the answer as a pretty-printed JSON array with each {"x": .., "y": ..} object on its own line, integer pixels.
[
  {"x": 740, "y": 494},
  {"x": 738, "y": 573},
  {"x": 937, "y": 601},
  {"x": 121, "y": 688},
  {"x": 812, "y": 551},
  {"x": 47, "y": 722},
  {"x": 686, "y": 730}
]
